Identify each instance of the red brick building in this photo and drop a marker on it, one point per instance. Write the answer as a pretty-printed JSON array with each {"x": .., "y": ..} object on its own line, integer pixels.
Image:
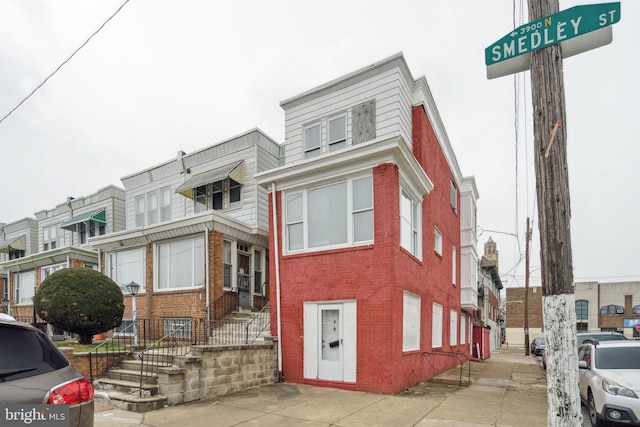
[{"x": 372, "y": 236}]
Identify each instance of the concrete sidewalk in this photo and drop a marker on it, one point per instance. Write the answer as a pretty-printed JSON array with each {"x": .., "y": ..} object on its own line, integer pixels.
[{"x": 509, "y": 389}]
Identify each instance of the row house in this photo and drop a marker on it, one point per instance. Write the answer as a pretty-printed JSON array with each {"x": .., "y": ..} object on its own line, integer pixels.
[
  {"x": 196, "y": 231},
  {"x": 487, "y": 328},
  {"x": 33, "y": 248},
  {"x": 372, "y": 235}
]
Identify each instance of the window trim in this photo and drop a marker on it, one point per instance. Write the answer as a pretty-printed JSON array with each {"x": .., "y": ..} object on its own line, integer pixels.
[
  {"x": 350, "y": 212},
  {"x": 437, "y": 327},
  {"x": 437, "y": 241},
  {"x": 453, "y": 328},
  {"x": 194, "y": 266},
  {"x": 414, "y": 222},
  {"x": 411, "y": 321},
  {"x": 332, "y": 143},
  {"x": 112, "y": 270},
  {"x": 308, "y": 149}
]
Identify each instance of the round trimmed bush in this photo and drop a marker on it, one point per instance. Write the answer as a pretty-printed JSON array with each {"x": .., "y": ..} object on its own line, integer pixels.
[{"x": 80, "y": 300}]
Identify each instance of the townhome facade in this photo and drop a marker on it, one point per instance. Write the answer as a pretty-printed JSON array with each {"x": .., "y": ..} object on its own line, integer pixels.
[
  {"x": 488, "y": 332},
  {"x": 366, "y": 222},
  {"x": 56, "y": 238},
  {"x": 196, "y": 230}
]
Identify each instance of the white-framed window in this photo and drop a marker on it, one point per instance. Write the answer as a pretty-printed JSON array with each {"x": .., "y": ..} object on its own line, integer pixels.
[
  {"x": 179, "y": 327},
  {"x": 453, "y": 328},
  {"x": 410, "y": 321},
  {"x": 152, "y": 207},
  {"x": 165, "y": 203},
  {"x": 180, "y": 264},
  {"x": 436, "y": 326},
  {"x": 409, "y": 224},
  {"x": 463, "y": 328},
  {"x": 50, "y": 269},
  {"x": 50, "y": 237},
  {"x": 454, "y": 265},
  {"x": 124, "y": 267},
  {"x": 312, "y": 137},
  {"x": 227, "y": 265},
  {"x": 25, "y": 287},
  {"x": 258, "y": 278},
  {"x": 310, "y": 224},
  {"x": 139, "y": 202},
  {"x": 337, "y": 132},
  {"x": 453, "y": 196},
  {"x": 90, "y": 229},
  {"x": 437, "y": 241},
  {"x": 219, "y": 195}
]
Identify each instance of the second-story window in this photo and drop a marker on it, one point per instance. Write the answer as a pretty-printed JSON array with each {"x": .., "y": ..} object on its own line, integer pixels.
[
  {"x": 312, "y": 140},
  {"x": 49, "y": 237},
  {"x": 409, "y": 224},
  {"x": 337, "y": 132},
  {"x": 219, "y": 195},
  {"x": 153, "y": 207}
]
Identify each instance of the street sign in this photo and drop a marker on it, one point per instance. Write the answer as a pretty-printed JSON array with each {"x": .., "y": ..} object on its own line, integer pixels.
[{"x": 578, "y": 29}]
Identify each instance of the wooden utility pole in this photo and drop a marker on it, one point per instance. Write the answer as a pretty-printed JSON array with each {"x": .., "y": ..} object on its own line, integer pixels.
[
  {"x": 526, "y": 290},
  {"x": 554, "y": 213}
]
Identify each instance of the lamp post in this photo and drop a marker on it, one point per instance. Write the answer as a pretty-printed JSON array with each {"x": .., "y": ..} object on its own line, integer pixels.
[
  {"x": 5, "y": 305},
  {"x": 133, "y": 289}
]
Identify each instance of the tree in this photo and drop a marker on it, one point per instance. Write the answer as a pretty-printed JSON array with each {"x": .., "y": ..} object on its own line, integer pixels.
[{"x": 80, "y": 300}]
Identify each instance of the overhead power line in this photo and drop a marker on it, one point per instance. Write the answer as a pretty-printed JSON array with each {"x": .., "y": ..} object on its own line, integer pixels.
[{"x": 63, "y": 63}]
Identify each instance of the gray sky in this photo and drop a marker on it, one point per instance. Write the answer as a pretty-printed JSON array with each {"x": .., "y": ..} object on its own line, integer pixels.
[{"x": 164, "y": 76}]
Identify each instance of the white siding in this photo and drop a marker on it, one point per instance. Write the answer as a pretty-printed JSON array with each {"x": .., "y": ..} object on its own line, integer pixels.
[{"x": 392, "y": 92}]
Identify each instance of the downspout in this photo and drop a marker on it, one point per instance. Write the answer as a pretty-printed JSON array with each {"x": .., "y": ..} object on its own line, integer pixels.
[
  {"x": 277, "y": 251},
  {"x": 206, "y": 276}
]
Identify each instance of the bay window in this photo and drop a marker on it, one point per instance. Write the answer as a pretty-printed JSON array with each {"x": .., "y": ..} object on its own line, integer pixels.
[
  {"x": 180, "y": 264},
  {"x": 128, "y": 266}
]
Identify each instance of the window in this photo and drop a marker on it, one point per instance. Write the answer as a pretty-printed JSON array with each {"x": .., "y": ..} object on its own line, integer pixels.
[
  {"x": 454, "y": 264},
  {"x": 179, "y": 327},
  {"x": 453, "y": 328},
  {"x": 90, "y": 229},
  {"x": 312, "y": 140},
  {"x": 436, "y": 326},
  {"x": 409, "y": 224},
  {"x": 139, "y": 211},
  {"x": 463, "y": 328},
  {"x": 437, "y": 241},
  {"x": 217, "y": 196},
  {"x": 227, "y": 266},
  {"x": 582, "y": 310},
  {"x": 309, "y": 224},
  {"x": 337, "y": 132},
  {"x": 636, "y": 309},
  {"x": 453, "y": 196},
  {"x": 257, "y": 272},
  {"x": 25, "y": 287},
  {"x": 127, "y": 266},
  {"x": 49, "y": 270},
  {"x": 165, "y": 203},
  {"x": 612, "y": 309},
  {"x": 180, "y": 264},
  {"x": 152, "y": 207},
  {"x": 50, "y": 237},
  {"x": 410, "y": 322}
]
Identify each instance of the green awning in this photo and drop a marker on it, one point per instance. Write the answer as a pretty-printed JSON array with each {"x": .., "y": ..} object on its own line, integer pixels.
[
  {"x": 19, "y": 244},
  {"x": 99, "y": 216},
  {"x": 234, "y": 171}
]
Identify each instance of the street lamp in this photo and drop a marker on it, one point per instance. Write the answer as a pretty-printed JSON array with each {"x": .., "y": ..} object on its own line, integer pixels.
[
  {"x": 5, "y": 305},
  {"x": 133, "y": 289}
]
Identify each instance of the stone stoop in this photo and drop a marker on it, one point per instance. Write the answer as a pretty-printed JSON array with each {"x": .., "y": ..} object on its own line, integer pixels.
[
  {"x": 120, "y": 388},
  {"x": 229, "y": 327}
]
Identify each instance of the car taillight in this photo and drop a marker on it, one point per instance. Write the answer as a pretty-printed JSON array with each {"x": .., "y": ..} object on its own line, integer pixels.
[{"x": 71, "y": 393}]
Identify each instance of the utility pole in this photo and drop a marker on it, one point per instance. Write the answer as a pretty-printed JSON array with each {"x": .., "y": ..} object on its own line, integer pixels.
[
  {"x": 526, "y": 291},
  {"x": 554, "y": 214}
]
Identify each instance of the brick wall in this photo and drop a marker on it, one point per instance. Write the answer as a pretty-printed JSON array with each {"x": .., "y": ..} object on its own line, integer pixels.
[{"x": 515, "y": 308}]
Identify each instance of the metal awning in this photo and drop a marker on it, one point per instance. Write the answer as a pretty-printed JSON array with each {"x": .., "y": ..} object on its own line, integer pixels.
[
  {"x": 234, "y": 171},
  {"x": 99, "y": 216},
  {"x": 19, "y": 244}
]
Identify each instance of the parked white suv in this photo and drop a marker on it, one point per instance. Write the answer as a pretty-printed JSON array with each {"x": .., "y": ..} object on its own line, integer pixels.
[{"x": 610, "y": 381}]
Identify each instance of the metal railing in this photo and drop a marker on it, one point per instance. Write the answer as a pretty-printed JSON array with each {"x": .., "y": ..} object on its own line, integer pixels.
[
  {"x": 258, "y": 324},
  {"x": 110, "y": 353}
]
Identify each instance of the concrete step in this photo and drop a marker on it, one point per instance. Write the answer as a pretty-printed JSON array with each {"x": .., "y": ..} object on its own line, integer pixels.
[
  {"x": 105, "y": 400},
  {"x": 125, "y": 386},
  {"x": 149, "y": 365},
  {"x": 130, "y": 374}
]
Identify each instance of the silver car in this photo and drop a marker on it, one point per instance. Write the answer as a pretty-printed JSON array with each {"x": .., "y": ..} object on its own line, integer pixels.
[{"x": 33, "y": 371}]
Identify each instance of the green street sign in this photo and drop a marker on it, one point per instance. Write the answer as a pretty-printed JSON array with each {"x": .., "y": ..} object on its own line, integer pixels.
[{"x": 559, "y": 27}]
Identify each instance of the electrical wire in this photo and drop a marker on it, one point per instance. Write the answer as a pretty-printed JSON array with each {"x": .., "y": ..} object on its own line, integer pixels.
[{"x": 63, "y": 63}]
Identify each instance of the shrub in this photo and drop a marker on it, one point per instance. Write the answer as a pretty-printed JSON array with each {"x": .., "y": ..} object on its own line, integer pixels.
[{"x": 80, "y": 300}]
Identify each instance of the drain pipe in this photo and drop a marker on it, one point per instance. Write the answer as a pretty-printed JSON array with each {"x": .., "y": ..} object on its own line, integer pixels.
[{"x": 277, "y": 251}]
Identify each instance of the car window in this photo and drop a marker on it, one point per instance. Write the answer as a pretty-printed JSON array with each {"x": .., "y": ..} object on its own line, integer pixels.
[
  {"x": 618, "y": 358},
  {"x": 25, "y": 353}
]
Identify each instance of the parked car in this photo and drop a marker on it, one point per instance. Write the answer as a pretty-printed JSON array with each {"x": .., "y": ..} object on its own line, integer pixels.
[
  {"x": 581, "y": 337},
  {"x": 610, "y": 381},
  {"x": 537, "y": 346},
  {"x": 34, "y": 371}
]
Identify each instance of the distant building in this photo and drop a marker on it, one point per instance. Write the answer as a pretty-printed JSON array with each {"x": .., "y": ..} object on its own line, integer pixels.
[
  {"x": 488, "y": 322},
  {"x": 611, "y": 306}
]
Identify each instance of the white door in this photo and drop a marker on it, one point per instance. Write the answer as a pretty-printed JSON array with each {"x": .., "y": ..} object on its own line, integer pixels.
[{"x": 330, "y": 341}]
